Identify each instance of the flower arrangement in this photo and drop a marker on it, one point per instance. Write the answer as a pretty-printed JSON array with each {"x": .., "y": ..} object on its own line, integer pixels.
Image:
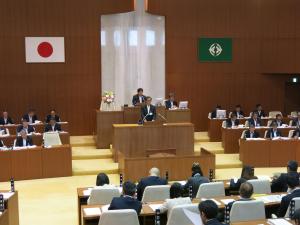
[{"x": 108, "y": 97}]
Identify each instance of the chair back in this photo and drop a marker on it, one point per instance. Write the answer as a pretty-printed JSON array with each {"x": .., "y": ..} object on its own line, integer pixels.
[
  {"x": 224, "y": 124},
  {"x": 247, "y": 211},
  {"x": 295, "y": 207},
  {"x": 210, "y": 190},
  {"x": 291, "y": 132},
  {"x": 261, "y": 186},
  {"x": 156, "y": 193},
  {"x": 243, "y": 134},
  {"x": 291, "y": 123},
  {"x": 51, "y": 139},
  {"x": 177, "y": 215},
  {"x": 209, "y": 115},
  {"x": 103, "y": 195},
  {"x": 272, "y": 114},
  {"x": 123, "y": 216}
]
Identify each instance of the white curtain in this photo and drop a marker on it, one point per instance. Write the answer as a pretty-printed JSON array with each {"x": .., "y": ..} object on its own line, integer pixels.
[{"x": 133, "y": 54}]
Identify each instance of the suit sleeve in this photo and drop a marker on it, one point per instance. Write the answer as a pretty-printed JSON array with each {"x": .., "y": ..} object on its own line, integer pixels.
[
  {"x": 139, "y": 190},
  {"x": 284, "y": 205},
  {"x": 30, "y": 141},
  {"x": 58, "y": 127},
  {"x": 112, "y": 205}
]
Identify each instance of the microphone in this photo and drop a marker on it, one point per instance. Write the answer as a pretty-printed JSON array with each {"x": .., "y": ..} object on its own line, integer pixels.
[
  {"x": 145, "y": 117},
  {"x": 161, "y": 116}
]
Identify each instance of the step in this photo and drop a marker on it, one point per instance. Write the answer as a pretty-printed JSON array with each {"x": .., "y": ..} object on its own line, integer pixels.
[
  {"x": 94, "y": 166},
  {"x": 213, "y": 147},
  {"x": 201, "y": 137},
  {"x": 90, "y": 152},
  {"x": 79, "y": 141},
  {"x": 228, "y": 161}
]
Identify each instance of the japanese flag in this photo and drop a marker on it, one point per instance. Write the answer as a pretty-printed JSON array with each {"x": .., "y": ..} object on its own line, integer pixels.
[{"x": 44, "y": 49}]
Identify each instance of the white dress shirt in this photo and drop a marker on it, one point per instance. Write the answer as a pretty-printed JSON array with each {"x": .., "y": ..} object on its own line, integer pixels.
[{"x": 24, "y": 142}]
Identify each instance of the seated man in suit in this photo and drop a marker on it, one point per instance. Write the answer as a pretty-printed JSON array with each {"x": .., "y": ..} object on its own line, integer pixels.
[
  {"x": 127, "y": 200},
  {"x": 255, "y": 120},
  {"x": 232, "y": 121},
  {"x": 238, "y": 111},
  {"x": 273, "y": 132},
  {"x": 52, "y": 115},
  {"x": 296, "y": 122},
  {"x": 279, "y": 184},
  {"x": 296, "y": 133},
  {"x": 260, "y": 111},
  {"x": 31, "y": 117},
  {"x": 25, "y": 126},
  {"x": 139, "y": 98},
  {"x": 196, "y": 180},
  {"x": 52, "y": 126},
  {"x": 153, "y": 179},
  {"x": 278, "y": 120},
  {"x": 148, "y": 111},
  {"x": 171, "y": 103},
  {"x": 208, "y": 212},
  {"x": 214, "y": 112},
  {"x": 23, "y": 140},
  {"x": 5, "y": 119},
  {"x": 246, "y": 191},
  {"x": 293, "y": 184},
  {"x": 251, "y": 132}
]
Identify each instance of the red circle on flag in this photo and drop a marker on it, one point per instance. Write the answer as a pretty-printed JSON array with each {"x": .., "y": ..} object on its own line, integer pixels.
[{"x": 45, "y": 49}]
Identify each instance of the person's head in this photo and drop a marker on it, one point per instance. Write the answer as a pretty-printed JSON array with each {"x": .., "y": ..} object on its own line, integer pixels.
[
  {"x": 23, "y": 134},
  {"x": 233, "y": 116},
  {"x": 148, "y": 100},
  {"x": 129, "y": 188},
  {"x": 52, "y": 113},
  {"x": 196, "y": 169},
  {"x": 238, "y": 108},
  {"x": 140, "y": 91},
  {"x": 296, "y": 217},
  {"x": 25, "y": 123},
  {"x": 255, "y": 115},
  {"x": 292, "y": 166},
  {"x": 176, "y": 190},
  {"x": 218, "y": 107},
  {"x": 258, "y": 107},
  {"x": 102, "y": 179},
  {"x": 5, "y": 114},
  {"x": 247, "y": 172},
  {"x": 52, "y": 121},
  {"x": 154, "y": 172},
  {"x": 274, "y": 125},
  {"x": 246, "y": 190},
  {"x": 171, "y": 97},
  {"x": 208, "y": 210},
  {"x": 292, "y": 181},
  {"x": 251, "y": 128},
  {"x": 31, "y": 112},
  {"x": 278, "y": 116}
]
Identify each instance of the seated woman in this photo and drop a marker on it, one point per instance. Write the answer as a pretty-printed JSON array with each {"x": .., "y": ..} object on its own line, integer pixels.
[
  {"x": 176, "y": 193},
  {"x": 247, "y": 174}
]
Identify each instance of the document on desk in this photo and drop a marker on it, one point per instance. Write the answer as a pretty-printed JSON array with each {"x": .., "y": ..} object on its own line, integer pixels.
[
  {"x": 154, "y": 207},
  {"x": 270, "y": 198},
  {"x": 7, "y": 195},
  {"x": 92, "y": 211},
  {"x": 193, "y": 217},
  {"x": 87, "y": 192},
  {"x": 278, "y": 222}
]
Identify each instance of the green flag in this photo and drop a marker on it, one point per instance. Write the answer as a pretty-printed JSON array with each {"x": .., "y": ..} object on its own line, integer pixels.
[{"x": 215, "y": 49}]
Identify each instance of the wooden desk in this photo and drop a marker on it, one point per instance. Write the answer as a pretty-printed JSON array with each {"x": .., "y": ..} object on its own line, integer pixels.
[
  {"x": 133, "y": 140},
  {"x": 257, "y": 222},
  {"x": 12, "y": 208},
  {"x": 36, "y": 163},
  {"x": 4, "y": 218},
  {"x": 269, "y": 153},
  {"x": 131, "y": 115},
  {"x": 231, "y": 136},
  {"x": 135, "y": 168}
]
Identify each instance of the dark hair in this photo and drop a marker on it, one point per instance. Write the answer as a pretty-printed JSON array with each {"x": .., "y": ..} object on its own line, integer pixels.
[
  {"x": 232, "y": 115},
  {"x": 218, "y": 107},
  {"x": 129, "y": 188},
  {"x": 293, "y": 165},
  {"x": 258, "y": 105},
  {"x": 25, "y": 120},
  {"x": 292, "y": 181},
  {"x": 238, "y": 106},
  {"x": 246, "y": 190},
  {"x": 296, "y": 215},
  {"x": 248, "y": 173},
  {"x": 278, "y": 115},
  {"x": 139, "y": 89},
  {"x": 196, "y": 169},
  {"x": 102, "y": 179},
  {"x": 148, "y": 97},
  {"x": 176, "y": 190},
  {"x": 209, "y": 209},
  {"x": 274, "y": 123},
  {"x": 254, "y": 113},
  {"x": 31, "y": 110}
]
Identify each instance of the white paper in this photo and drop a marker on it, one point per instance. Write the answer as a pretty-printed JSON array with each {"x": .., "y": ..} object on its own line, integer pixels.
[
  {"x": 264, "y": 177},
  {"x": 87, "y": 192},
  {"x": 104, "y": 208},
  {"x": 227, "y": 201},
  {"x": 120, "y": 190},
  {"x": 154, "y": 207},
  {"x": 7, "y": 195},
  {"x": 278, "y": 222},
  {"x": 92, "y": 211},
  {"x": 269, "y": 198},
  {"x": 255, "y": 139},
  {"x": 193, "y": 217}
]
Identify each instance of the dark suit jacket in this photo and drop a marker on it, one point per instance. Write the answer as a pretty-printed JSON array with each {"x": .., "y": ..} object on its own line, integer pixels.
[
  {"x": 279, "y": 123},
  {"x": 1, "y": 143},
  {"x": 48, "y": 118},
  {"x": 125, "y": 202},
  {"x": 30, "y": 129},
  {"x": 285, "y": 202},
  {"x": 258, "y": 121},
  {"x": 296, "y": 133},
  {"x": 261, "y": 113},
  {"x": 236, "y": 186},
  {"x": 230, "y": 124},
  {"x": 195, "y": 182},
  {"x": 144, "y": 112},
  {"x": 168, "y": 104},
  {"x": 214, "y": 222},
  {"x": 213, "y": 114},
  {"x": 247, "y": 134},
  {"x": 136, "y": 99},
  {"x": 8, "y": 121},
  {"x": 280, "y": 184},
  {"x": 48, "y": 127},
  {"x": 270, "y": 133},
  {"x": 26, "y": 117},
  {"x": 296, "y": 122},
  {"x": 148, "y": 181},
  {"x": 19, "y": 142},
  {"x": 241, "y": 113}
]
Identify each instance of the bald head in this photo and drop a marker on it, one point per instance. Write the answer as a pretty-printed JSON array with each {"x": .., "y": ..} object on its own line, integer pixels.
[
  {"x": 246, "y": 190},
  {"x": 154, "y": 172}
]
